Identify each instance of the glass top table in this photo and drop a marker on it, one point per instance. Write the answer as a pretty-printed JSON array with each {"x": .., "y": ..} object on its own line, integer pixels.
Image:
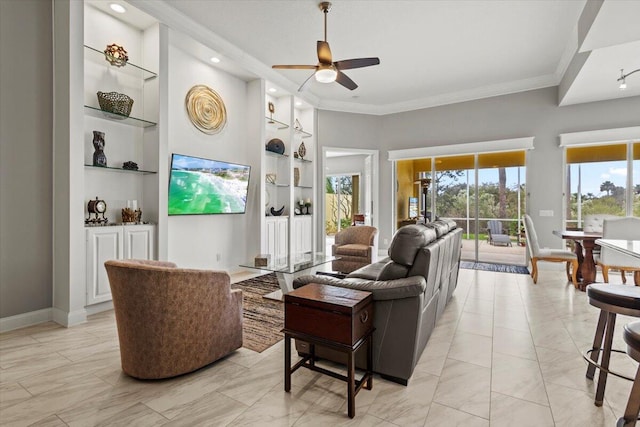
[{"x": 290, "y": 267}]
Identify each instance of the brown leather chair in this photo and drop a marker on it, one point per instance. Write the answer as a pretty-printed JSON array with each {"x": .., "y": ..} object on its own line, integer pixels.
[
  {"x": 172, "y": 320},
  {"x": 356, "y": 247}
]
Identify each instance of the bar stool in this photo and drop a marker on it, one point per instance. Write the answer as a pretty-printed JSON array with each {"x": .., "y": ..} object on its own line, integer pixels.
[
  {"x": 611, "y": 300},
  {"x": 631, "y": 336}
]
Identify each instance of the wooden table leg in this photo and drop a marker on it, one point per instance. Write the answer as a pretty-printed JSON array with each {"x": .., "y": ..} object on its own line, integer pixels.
[
  {"x": 369, "y": 385},
  {"x": 636, "y": 277},
  {"x": 579, "y": 254},
  {"x": 589, "y": 265},
  {"x": 351, "y": 385},
  {"x": 287, "y": 362}
]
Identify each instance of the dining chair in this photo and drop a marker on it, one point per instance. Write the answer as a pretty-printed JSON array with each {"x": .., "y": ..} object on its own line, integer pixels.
[
  {"x": 624, "y": 228},
  {"x": 552, "y": 255}
]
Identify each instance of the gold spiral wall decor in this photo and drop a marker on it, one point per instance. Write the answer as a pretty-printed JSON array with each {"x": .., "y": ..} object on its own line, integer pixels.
[{"x": 205, "y": 109}]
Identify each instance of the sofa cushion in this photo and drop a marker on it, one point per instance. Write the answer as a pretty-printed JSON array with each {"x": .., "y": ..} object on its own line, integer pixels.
[
  {"x": 440, "y": 227},
  {"x": 353, "y": 249},
  {"x": 371, "y": 271},
  {"x": 407, "y": 242},
  {"x": 393, "y": 270}
]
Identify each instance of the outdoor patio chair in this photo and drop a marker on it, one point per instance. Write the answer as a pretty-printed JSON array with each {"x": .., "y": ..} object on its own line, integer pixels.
[{"x": 495, "y": 233}]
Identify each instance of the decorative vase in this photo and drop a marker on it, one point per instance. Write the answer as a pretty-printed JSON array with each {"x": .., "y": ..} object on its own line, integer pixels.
[
  {"x": 296, "y": 177},
  {"x": 99, "y": 158},
  {"x": 302, "y": 150}
]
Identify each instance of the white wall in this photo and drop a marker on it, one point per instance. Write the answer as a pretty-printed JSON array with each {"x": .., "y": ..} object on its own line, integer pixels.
[
  {"x": 26, "y": 109},
  {"x": 533, "y": 113},
  {"x": 196, "y": 240}
]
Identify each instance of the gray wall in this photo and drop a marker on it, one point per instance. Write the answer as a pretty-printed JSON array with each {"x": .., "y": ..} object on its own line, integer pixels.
[
  {"x": 533, "y": 113},
  {"x": 25, "y": 156}
]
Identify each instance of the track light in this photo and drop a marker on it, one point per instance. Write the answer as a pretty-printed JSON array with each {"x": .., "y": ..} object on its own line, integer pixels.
[{"x": 623, "y": 78}]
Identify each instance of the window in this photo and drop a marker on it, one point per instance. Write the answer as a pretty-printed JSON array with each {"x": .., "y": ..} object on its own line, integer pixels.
[{"x": 602, "y": 179}]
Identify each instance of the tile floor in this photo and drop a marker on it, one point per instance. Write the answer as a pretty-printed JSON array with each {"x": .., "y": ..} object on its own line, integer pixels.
[{"x": 505, "y": 353}]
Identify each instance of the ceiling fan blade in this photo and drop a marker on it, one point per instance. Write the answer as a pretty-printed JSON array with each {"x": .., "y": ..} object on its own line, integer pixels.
[
  {"x": 294, "y": 67},
  {"x": 345, "y": 81},
  {"x": 349, "y": 64},
  {"x": 303, "y": 85},
  {"x": 324, "y": 52}
]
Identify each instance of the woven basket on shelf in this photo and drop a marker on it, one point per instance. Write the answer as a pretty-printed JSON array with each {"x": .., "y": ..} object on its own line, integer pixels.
[{"x": 114, "y": 102}]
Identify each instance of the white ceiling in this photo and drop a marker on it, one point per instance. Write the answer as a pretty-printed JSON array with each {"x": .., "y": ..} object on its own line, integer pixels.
[{"x": 431, "y": 52}]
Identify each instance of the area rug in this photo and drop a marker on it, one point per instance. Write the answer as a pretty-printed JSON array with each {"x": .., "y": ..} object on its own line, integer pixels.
[
  {"x": 502, "y": 268},
  {"x": 262, "y": 318}
]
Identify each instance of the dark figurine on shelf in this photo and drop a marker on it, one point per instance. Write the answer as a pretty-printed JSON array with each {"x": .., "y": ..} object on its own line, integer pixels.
[
  {"x": 132, "y": 166},
  {"x": 99, "y": 158}
]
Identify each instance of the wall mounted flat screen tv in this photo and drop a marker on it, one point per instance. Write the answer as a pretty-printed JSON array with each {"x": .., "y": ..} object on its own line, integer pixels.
[{"x": 201, "y": 186}]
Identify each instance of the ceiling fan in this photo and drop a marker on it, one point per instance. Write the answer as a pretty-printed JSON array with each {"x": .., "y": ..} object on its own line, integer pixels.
[{"x": 328, "y": 71}]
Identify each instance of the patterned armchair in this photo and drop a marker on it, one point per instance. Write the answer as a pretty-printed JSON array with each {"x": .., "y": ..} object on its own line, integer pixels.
[
  {"x": 170, "y": 320},
  {"x": 356, "y": 247}
]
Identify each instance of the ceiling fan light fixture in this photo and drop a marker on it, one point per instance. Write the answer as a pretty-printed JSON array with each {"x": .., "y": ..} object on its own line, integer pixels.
[{"x": 327, "y": 74}]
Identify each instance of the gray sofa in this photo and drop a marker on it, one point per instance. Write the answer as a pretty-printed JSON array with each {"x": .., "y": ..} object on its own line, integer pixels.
[{"x": 410, "y": 291}]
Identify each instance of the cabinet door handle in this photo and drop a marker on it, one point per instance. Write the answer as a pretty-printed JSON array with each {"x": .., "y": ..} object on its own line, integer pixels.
[{"x": 364, "y": 316}]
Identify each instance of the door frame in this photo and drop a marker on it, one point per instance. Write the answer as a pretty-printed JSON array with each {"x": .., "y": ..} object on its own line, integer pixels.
[{"x": 374, "y": 208}]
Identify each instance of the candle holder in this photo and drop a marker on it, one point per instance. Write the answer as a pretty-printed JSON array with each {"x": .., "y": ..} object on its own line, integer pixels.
[{"x": 307, "y": 206}]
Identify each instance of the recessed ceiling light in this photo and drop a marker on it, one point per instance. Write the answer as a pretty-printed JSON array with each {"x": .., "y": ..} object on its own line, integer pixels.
[
  {"x": 117, "y": 8},
  {"x": 272, "y": 89},
  {"x": 298, "y": 103},
  {"x": 215, "y": 59}
]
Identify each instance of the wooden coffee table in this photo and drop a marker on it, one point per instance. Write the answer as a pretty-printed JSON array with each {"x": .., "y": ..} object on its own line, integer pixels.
[{"x": 334, "y": 317}]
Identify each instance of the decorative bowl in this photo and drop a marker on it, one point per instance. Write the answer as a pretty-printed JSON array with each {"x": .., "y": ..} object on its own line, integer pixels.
[{"x": 116, "y": 103}]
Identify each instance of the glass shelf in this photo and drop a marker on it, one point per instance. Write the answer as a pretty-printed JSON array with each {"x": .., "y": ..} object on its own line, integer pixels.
[
  {"x": 277, "y": 185},
  {"x": 303, "y": 133},
  {"x": 272, "y": 154},
  {"x": 131, "y": 121},
  {"x": 112, "y": 169},
  {"x": 97, "y": 56},
  {"x": 298, "y": 159},
  {"x": 275, "y": 123},
  {"x": 303, "y": 186}
]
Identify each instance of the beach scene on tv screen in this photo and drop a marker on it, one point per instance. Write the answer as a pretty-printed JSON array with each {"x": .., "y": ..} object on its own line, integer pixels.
[{"x": 202, "y": 186}]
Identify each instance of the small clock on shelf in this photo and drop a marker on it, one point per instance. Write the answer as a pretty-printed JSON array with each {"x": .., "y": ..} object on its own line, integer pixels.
[{"x": 97, "y": 208}]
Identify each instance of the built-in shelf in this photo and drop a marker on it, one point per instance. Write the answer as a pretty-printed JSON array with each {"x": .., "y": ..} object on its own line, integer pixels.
[
  {"x": 276, "y": 124},
  {"x": 303, "y": 186},
  {"x": 298, "y": 159},
  {"x": 112, "y": 169},
  {"x": 278, "y": 185},
  {"x": 98, "y": 57},
  {"x": 131, "y": 121},
  {"x": 272, "y": 154},
  {"x": 302, "y": 133}
]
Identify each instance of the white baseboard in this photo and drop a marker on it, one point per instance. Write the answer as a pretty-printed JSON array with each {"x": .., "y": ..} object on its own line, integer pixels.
[
  {"x": 69, "y": 319},
  {"x": 25, "y": 319},
  {"x": 99, "y": 308}
]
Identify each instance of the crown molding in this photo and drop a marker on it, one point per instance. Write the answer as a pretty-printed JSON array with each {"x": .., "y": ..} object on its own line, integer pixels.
[{"x": 446, "y": 98}]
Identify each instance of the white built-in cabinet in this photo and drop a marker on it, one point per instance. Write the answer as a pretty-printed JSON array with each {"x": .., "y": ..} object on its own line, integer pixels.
[
  {"x": 113, "y": 242},
  {"x": 302, "y": 232},
  {"x": 288, "y": 179},
  {"x": 277, "y": 237}
]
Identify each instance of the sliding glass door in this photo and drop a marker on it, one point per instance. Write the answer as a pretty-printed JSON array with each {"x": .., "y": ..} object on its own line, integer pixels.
[
  {"x": 602, "y": 179},
  {"x": 483, "y": 193},
  {"x": 501, "y": 198}
]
